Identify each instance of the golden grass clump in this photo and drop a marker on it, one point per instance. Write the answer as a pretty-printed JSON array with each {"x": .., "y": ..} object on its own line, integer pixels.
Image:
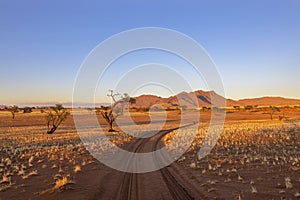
[
  {"x": 59, "y": 185},
  {"x": 77, "y": 168},
  {"x": 61, "y": 182},
  {"x": 5, "y": 179}
]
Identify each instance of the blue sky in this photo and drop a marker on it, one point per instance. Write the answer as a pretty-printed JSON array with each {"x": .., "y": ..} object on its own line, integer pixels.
[{"x": 255, "y": 44}]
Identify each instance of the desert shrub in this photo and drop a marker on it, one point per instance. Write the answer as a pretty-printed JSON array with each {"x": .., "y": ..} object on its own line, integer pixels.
[
  {"x": 27, "y": 110},
  {"x": 55, "y": 116},
  {"x": 248, "y": 107},
  {"x": 204, "y": 108},
  {"x": 237, "y": 107}
]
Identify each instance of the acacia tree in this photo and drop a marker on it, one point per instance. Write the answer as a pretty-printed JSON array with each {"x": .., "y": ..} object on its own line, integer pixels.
[
  {"x": 55, "y": 116},
  {"x": 112, "y": 112},
  {"x": 13, "y": 110},
  {"x": 273, "y": 109}
]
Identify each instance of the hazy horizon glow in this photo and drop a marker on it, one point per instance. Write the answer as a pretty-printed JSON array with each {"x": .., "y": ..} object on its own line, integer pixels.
[{"x": 255, "y": 44}]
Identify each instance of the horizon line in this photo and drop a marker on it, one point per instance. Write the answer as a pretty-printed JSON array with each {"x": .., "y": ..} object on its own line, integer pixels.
[{"x": 47, "y": 103}]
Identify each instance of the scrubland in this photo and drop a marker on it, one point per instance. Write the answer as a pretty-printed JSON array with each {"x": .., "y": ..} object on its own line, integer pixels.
[{"x": 254, "y": 157}]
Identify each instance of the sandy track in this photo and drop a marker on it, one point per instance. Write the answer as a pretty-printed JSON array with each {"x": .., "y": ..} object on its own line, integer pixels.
[{"x": 166, "y": 183}]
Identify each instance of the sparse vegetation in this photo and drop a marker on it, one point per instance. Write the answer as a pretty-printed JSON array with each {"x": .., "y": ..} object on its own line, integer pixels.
[{"x": 251, "y": 156}]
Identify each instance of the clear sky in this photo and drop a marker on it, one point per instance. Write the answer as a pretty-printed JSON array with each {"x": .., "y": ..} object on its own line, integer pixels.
[{"x": 255, "y": 44}]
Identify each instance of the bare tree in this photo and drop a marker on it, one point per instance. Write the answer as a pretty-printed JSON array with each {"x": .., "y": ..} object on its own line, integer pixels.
[
  {"x": 55, "y": 116},
  {"x": 273, "y": 109},
  {"x": 111, "y": 113},
  {"x": 13, "y": 110}
]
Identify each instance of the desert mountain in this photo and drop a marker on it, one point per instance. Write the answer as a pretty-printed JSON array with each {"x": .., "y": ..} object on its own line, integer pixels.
[
  {"x": 204, "y": 98},
  {"x": 273, "y": 101}
]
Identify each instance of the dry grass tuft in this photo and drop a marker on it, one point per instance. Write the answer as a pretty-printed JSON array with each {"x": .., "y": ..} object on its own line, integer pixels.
[
  {"x": 253, "y": 189},
  {"x": 77, "y": 168},
  {"x": 5, "y": 179},
  {"x": 61, "y": 182},
  {"x": 6, "y": 186},
  {"x": 32, "y": 173},
  {"x": 5, "y": 183},
  {"x": 288, "y": 183},
  {"x": 59, "y": 185}
]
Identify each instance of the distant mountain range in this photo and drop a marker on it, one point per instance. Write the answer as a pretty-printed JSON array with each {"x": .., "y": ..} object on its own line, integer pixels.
[
  {"x": 187, "y": 99},
  {"x": 204, "y": 99}
]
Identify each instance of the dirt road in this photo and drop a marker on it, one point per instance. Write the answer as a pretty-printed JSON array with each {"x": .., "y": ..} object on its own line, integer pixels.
[{"x": 166, "y": 183}]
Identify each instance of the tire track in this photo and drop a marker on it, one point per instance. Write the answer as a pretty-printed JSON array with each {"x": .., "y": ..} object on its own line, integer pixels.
[
  {"x": 131, "y": 187},
  {"x": 130, "y": 180},
  {"x": 176, "y": 189}
]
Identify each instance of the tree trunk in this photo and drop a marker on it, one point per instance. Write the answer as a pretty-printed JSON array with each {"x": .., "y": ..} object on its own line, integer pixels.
[
  {"x": 52, "y": 130},
  {"x": 110, "y": 127},
  {"x": 271, "y": 116}
]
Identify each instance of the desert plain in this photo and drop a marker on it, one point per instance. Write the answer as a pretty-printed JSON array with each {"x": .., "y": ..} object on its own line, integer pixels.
[{"x": 255, "y": 157}]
